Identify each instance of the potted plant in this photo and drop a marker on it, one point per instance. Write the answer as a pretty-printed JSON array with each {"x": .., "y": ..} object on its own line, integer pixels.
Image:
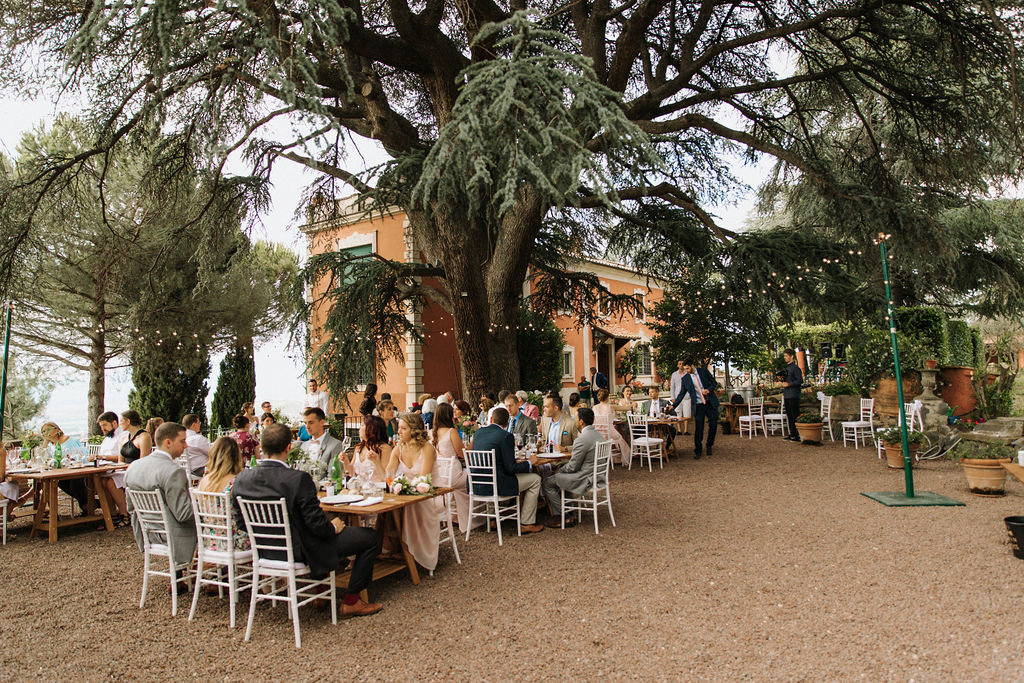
[
  {"x": 892, "y": 437},
  {"x": 809, "y": 425},
  {"x": 983, "y": 466}
]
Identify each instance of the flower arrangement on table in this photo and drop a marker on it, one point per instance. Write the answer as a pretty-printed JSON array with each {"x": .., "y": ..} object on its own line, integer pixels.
[
  {"x": 299, "y": 459},
  {"x": 31, "y": 440},
  {"x": 403, "y": 486},
  {"x": 468, "y": 427}
]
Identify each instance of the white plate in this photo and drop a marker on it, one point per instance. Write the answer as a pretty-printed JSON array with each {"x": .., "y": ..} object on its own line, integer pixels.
[{"x": 341, "y": 499}]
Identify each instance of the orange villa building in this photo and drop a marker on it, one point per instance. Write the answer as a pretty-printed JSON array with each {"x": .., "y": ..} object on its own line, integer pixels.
[{"x": 432, "y": 366}]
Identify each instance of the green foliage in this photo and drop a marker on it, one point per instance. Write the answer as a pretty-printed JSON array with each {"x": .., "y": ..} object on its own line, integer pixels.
[
  {"x": 807, "y": 336},
  {"x": 236, "y": 384},
  {"x": 535, "y": 398},
  {"x": 869, "y": 357},
  {"x": 980, "y": 450},
  {"x": 961, "y": 350},
  {"x": 993, "y": 382},
  {"x": 978, "y": 349},
  {"x": 28, "y": 389},
  {"x": 841, "y": 389},
  {"x": 808, "y": 418},
  {"x": 894, "y": 435},
  {"x": 168, "y": 382},
  {"x": 629, "y": 363},
  {"x": 539, "y": 344},
  {"x": 929, "y": 327}
]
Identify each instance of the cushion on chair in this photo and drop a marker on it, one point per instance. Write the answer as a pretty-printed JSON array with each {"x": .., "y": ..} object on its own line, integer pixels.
[
  {"x": 283, "y": 566},
  {"x": 221, "y": 556},
  {"x": 649, "y": 441},
  {"x": 856, "y": 423}
]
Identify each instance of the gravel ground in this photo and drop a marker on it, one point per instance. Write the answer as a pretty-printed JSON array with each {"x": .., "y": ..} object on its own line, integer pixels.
[{"x": 763, "y": 562}]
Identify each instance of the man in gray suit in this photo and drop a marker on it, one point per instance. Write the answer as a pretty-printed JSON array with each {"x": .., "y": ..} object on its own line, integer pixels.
[
  {"x": 321, "y": 444},
  {"x": 519, "y": 422},
  {"x": 159, "y": 471},
  {"x": 576, "y": 475}
]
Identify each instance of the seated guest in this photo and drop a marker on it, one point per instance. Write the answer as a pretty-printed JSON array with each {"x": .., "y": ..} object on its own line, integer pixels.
[
  {"x": 112, "y": 482},
  {"x": 137, "y": 441},
  {"x": 514, "y": 478},
  {"x": 52, "y": 435},
  {"x": 529, "y": 410},
  {"x": 320, "y": 443},
  {"x": 386, "y": 410},
  {"x": 373, "y": 447},
  {"x": 266, "y": 419},
  {"x": 197, "y": 448},
  {"x": 159, "y": 471},
  {"x": 575, "y": 476},
  {"x": 448, "y": 444},
  {"x": 10, "y": 489},
  {"x": 557, "y": 426},
  {"x": 414, "y": 456},
  {"x": 107, "y": 423},
  {"x": 657, "y": 406},
  {"x": 574, "y": 404},
  {"x": 486, "y": 404},
  {"x": 151, "y": 426},
  {"x": 602, "y": 408},
  {"x": 460, "y": 413},
  {"x": 626, "y": 403},
  {"x": 225, "y": 463},
  {"x": 246, "y": 441},
  {"x": 320, "y": 542},
  {"x": 519, "y": 422}
]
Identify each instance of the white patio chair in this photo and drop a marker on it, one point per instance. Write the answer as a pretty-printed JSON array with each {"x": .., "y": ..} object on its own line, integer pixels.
[
  {"x": 604, "y": 425},
  {"x": 754, "y": 419},
  {"x": 862, "y": 429},
  {"x": 644, "y": 445},
  {"x": 153, "y": 518},
  {"x": 826, "y": 414},
  {"x": 599, "y": 493},
  {"x": 914, "y": 419},
  {"x": 216, "y": 550},
  {"x": 773, "y": 421},
  {"x": 270, "y": 535},
  {"x": 444, "y": 476},
  {"x": 3, "y": 517},
  {"x": 94, "y": 450},
  {"x": 480, "y": 472}
]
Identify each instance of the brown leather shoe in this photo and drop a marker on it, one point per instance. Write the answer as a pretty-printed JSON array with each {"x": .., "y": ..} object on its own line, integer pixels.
[
  {"x": 359, "y": 609},
  {"x": 557, "y": 523},
  {"x": 531, "y": 528}
]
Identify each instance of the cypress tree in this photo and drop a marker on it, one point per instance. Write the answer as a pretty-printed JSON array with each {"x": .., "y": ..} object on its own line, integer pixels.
[
  {"x": 168, "y": 383},
  {"x": 236, "y": 384}
]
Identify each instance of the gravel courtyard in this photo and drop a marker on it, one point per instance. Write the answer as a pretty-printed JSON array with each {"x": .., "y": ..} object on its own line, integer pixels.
[{"x": 763, "y": 562}]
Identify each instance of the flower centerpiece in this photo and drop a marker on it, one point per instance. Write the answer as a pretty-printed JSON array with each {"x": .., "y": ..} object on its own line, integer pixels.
[
  {"x": 419, "y": 485},
  {"x": 305, "y": 461},
  {"x": 468, "y": 427}
]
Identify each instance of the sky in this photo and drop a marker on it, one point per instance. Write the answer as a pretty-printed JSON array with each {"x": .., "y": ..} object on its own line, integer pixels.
[{"x": 279, "y": 375}]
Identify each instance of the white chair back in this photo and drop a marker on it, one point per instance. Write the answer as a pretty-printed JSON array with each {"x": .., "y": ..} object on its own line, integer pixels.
[
  {"x": 637, "y": 426},
  {"x": 480, "y": 471},
  {"x": 212, "y": 513},
  {"x": 602, "y": 463},
  {"x": 94, "y": 450},
  {"x": 444, "y": 471},
  {"x": 826, "y": 408},
  {"x": 867, "y": 409},
  {"x": 603, "y": 424},
  {"x": 755, "y": 407},
  {"x": 913, "y": 413},
  {"x": 270, "y": 534},
  {"x": 151, "y": 513}
]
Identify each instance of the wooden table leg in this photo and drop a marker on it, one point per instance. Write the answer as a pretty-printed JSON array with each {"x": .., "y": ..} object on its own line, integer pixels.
[
  {"x": 105, "y": 502},
  {"x": 40, "y": 501},
  {"x": 396, "y": 520},
  {"x": 51, "y": 494}
]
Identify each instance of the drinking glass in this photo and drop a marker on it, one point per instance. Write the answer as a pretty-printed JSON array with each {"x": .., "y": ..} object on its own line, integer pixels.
[{"x": 519, "y": 440}]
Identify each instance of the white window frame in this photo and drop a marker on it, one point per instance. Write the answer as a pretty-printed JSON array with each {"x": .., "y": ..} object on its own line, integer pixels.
[
  {"x": 642, "y": 318},
  {"x": 571, "y": 352}
]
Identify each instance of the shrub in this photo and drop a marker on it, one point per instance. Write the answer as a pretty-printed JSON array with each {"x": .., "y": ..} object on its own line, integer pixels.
[
  {"x": 929, "y": 327},
  {"x": 961, "y": 347},
  {"x": 808, "y": 418},
  {"x": 840, "y": 389},
  {"x": 980, "y": 451},
  {"x": 894, "y": 434}
]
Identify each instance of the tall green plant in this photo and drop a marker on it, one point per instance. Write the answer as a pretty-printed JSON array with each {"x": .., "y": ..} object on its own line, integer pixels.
[
  {"x": 168, "y": 382},
  {"x": 235, "y": 385},
  {"x": 539, "y": 344},
  {"x": 961, "y": 347}
]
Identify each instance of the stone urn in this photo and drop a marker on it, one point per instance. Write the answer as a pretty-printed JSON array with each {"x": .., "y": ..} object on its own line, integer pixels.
[{"x": 887, "y": 402}]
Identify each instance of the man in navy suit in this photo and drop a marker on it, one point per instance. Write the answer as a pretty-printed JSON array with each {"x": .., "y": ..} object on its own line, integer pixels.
[
  {"x": 513, "y": 477},
  {"x": 700, "y": 385}
]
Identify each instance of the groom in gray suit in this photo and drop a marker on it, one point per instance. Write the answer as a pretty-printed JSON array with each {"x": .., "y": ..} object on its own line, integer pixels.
[
  {"x": 321, "y": 444},
  {"x": 158, "y": 470},
  {"x": 576, "y": 475}
]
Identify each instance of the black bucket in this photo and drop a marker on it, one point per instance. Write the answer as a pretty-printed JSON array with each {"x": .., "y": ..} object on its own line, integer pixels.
[{"x": 1015, "y": 530}]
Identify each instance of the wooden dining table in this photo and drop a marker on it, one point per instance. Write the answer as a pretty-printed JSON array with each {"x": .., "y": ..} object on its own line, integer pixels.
[
  {"x": 45, "y": 501},
  {"x": 663, "y": 426},
  {"x": 389, "y": 513}
]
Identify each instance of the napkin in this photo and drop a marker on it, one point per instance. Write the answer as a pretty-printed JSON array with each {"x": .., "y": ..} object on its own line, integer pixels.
[{"x": 372, "y": 500}]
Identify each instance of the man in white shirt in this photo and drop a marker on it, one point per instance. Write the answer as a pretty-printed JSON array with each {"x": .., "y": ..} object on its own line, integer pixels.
[
  {"x": 108, "y": 424},
  {"x": 321, "y": 444},
  {"x": 316, "y": 398},
  {"x": 197, "y": 448}
]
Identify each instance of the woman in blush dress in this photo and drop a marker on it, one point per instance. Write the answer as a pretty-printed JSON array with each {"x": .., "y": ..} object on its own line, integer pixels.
[
  {"x": 224, "y": 465},
  {"x": 448, "y": 444},
  {"x": 373, "y": 447},
  {"x": 626, "y": 404},
  {"x": 413, "y": 456}
]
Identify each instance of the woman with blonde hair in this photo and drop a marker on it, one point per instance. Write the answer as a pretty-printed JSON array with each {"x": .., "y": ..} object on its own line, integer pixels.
[
  {"x": 224, "y": 465},
  {"x": 413, "y": 456}
]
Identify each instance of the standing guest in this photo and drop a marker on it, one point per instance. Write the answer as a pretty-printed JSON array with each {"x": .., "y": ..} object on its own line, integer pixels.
[
  {"x": 415, "y": 456},
  {"x": 604, "y": 407},
  {"x": 151, "y": 426},
  {"x": 443, "y": 398},
  {"x": 320, "y": 444},
  {"x": 428, "y": 407},
  {"x": 248, "y": 409},
  {"x": 386, "y": 410},
  {"x": 584, "y": 388},
  {"x": 529, "y": 410},
  {"x": 514, "y": 478},
  {"x": 675, "y": 387},
  {"x": 158, "y": 471},
  {"x": 448, "y": 444},
  {"x": 266, "y": 419},
  {"x": 225, "y": 463},
  {"x": 575, "y": 476},
  {"x": 574, "y": 404},
  {"x": 315, "y": 397},
  {"x": 369, "y": 403},
  {"x": 138, "y": 443},
  {"x": 600, "y": 380},
  {"x": 246, "y": 441},
  {"x": 320, "y": 542},
  {"x": 626, "y": 404},
  {"x": 557, "y": 426},
  {"x": 700, "y": 386},
  {"x": 791, "y": 392},
  {"x": 373, "y": 447},
  {"x": 519, "y": 422},
  {"x": 197, "y": 448},
  {"x": 265, "y": 408}
]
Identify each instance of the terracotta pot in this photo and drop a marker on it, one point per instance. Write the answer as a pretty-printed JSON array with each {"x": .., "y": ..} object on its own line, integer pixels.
[
  {"x": 894, "y": 454},
  {"x": 887, "y": 402},
  {"x": 958, "y": 391},
  {"x": 809, "y": 431},
  {"x": 985, "y": 477},
  {"x": 931, "y": 363}
]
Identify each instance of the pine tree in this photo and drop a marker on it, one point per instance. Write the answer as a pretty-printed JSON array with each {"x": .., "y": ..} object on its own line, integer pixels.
[
  {"x": 236, "y": 384},
  {"x": 169, "y": 383}
]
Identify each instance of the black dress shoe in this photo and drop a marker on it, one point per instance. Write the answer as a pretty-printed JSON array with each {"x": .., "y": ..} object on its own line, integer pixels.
[
  {"x": 709, "y": 451},
  {"x": 696, "y": 454}
]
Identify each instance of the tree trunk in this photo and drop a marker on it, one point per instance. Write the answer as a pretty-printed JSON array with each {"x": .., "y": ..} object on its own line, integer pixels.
[{"x": 97, "y": 379}]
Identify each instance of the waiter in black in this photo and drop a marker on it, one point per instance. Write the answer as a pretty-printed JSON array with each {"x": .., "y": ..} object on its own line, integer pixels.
[{"x": 791, "y": 392}]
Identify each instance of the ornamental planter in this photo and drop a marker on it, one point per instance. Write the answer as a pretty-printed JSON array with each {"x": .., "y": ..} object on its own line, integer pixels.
[
  {"x": 985, "y": 477},
  {"x": 894, "y": 454},
  {"x": 958, "y": 390},
  {"x": 810, "y": 432},
  {"x": 887, "y": 402}
]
